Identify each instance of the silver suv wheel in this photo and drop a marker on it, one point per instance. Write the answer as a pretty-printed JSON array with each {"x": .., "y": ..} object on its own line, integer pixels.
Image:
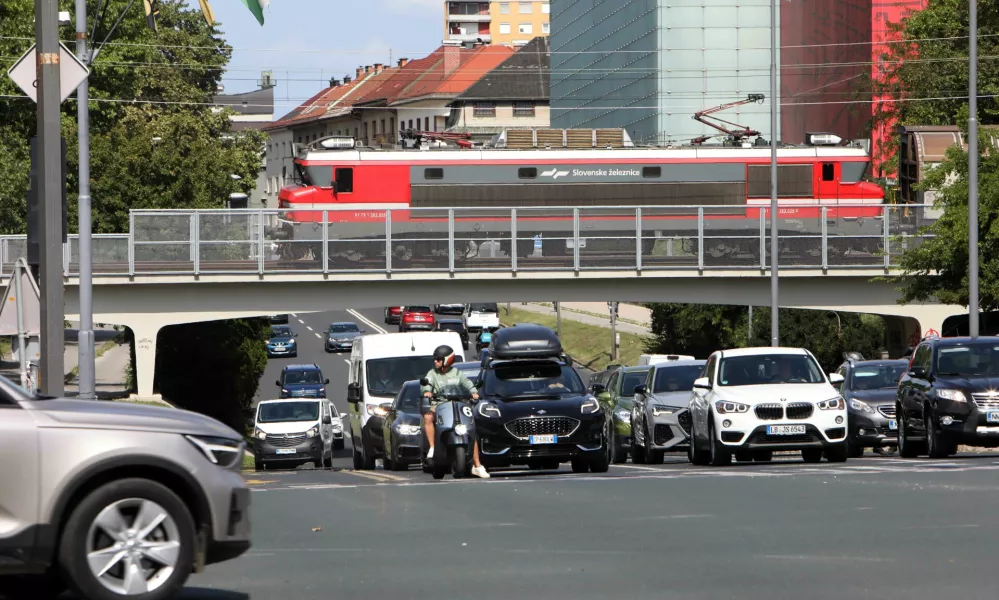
[{"x": 133, "y": 546}]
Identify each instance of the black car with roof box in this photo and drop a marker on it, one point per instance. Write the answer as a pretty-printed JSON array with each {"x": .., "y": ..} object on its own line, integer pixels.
[
  {"x": 534, "y": 409},
  {"x": 949, "y": 396}
]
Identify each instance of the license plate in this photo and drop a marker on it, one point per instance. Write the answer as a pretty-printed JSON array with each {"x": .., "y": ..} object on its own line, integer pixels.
[
  {"x": 892, "y": 424},
  {"x": 992, "y": 417},
  {"x": 285, "y": 450},
  {"x": 543, "y": 439},
  {"x": 785, "y": 429}
]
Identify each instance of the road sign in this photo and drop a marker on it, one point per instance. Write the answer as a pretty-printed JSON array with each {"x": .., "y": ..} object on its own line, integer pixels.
[
  {"x": 30, "y": 305},
  {"x": 72, "y": 72}
]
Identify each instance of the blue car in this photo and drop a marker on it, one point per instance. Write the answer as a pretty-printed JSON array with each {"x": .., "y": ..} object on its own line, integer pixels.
[
  {"x": 282, "y": 342},
  {"x": 302, "y": 381}
]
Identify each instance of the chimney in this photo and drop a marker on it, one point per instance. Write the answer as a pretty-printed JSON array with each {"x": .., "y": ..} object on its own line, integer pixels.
[
  {"x": 360, "y": 72},
  {"x": 452, "y": 58},
  {"x": 347, "y": 79},
  {"x": 367, "y": 69},
  {"x": 334, "y": 82},
  {"x": 378, "y": 68},
  {"x": 403, "y": 62}
]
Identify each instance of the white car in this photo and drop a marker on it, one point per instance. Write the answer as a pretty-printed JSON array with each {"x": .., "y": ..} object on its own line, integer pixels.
[{"x": 751, "y": 402}]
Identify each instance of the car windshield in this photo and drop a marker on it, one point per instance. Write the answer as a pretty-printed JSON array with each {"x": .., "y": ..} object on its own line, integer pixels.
[
  {"x": 532, "y": 380},
  {"x": 484, "y": 308},
  {"x": 632, "y": 380},
  {"x": 973, "y": 360},
  {"x": 302, "y": 377},
  {"x": 765, "y": 369},
  {"x": 343, "y": 328},
  {"x": 409, "y": 399},
  {"x": 385, "y": 376},
  {"x": 283, "y": 412},
  {"x": 676, "y": 379},
  {"x": 279, "y": 332},
  {"x": 878, "y": 377}
]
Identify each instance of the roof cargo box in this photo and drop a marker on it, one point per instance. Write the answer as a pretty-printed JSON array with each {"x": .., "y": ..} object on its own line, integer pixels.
[{"x": 525, "y": 341}]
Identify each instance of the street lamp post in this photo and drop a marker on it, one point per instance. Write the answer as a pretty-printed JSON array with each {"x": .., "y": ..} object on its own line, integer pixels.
[
  {"x": 973, "y": 170},
  {"x": 839, "y": 323},
  {"x": 774, "y": 289}
]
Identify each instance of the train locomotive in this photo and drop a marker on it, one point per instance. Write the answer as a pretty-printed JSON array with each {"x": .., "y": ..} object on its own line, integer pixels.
[{"x": 544, "y": 173}]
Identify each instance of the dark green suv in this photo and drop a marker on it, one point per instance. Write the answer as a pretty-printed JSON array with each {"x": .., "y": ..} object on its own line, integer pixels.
[{"x": 617, "y": 396}]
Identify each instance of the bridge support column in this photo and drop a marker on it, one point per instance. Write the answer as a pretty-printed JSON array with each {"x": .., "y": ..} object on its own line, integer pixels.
[{"x": 145, "y": 358}]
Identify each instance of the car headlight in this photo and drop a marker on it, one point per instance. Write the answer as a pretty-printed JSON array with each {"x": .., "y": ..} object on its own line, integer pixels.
[
  {"x": 322, "y": 392},
  {"x": 663, "y": 410},
  {"x": 312, "y": 432},
  {"x": 489, "y": 410},
  {"x": 284, "y": 391},
  {"x": 260, "y": 435},
  {"x": 836, "y": 403},
  {"x": 377, "y": 410},
  {"x": 589, "y": 406},
  {"x": 624, "y": 415},
  {"x": 725, "y": 407},
  {"x": 461, "y": 429},
  {"x": 409, "y": 429},
  {"x": 860, "y": 405},
  {"x": 952, "y": 395},
  {"x": 223, "y": 452},
  {"x": 337, "y": 425}
]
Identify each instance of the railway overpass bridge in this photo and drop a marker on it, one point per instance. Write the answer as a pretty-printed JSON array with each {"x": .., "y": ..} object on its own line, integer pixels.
[{"x": 165, "y": 271}]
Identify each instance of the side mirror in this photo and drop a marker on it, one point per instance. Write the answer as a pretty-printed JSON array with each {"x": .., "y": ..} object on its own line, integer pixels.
[
  {"x": 354, "y": 393},
  {"x": 596, "y": 389},
  {"x": 277, "y": 382},
  {"x": 363, "y": 331},
  {"x": 641, "y": 389},
  {"x": 917, "y": 372},
  {"x": 836, "y": 378},
  {"x": 327, "y": 420},
  {"x": 296, "y": 335},
  {"x": 327, "y": 382},
  {"x": 424, "y": 381},
  {"x": 702, "y": 383}
]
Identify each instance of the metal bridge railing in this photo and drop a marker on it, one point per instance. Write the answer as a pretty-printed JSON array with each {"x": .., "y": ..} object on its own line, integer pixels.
[{"x": 455, "y": 240}]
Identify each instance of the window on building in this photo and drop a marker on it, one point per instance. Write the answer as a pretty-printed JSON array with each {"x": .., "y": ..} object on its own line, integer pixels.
[
  {"x": 523, "y": 109},
  {"x": 426, "y": 124},
  {"x": 546, "y": 8},
  {"x": 526, "y": 28},
  {"x": 344, "y": 181},
  {"x": 525, "y": 8},
  {"x": 392, "y": 128},
  {"x": 484, "y": 109},
  {"x": 546, "y": 27},
  {"x": 505, "y": 28},
  {"x": 504, "y": 8}
]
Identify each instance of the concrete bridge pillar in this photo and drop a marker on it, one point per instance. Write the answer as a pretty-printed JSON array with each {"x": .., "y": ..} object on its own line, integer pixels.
[{"x": 145, "y": 357}]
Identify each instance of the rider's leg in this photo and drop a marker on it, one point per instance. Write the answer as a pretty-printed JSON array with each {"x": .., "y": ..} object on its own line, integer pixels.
[
  {"x": 428, "y": 427},
  {"x": 475, "y": 454}
]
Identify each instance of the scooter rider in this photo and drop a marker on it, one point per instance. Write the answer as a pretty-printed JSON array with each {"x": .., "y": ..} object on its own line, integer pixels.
[{"x": 446, "y": 379}]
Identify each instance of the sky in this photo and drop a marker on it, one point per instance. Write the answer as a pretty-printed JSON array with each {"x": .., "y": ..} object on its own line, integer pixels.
[{"x": 306, "y": 42}]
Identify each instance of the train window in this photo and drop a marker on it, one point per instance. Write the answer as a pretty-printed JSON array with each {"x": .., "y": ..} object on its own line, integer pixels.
[
  {"x": 652, "y": 172},
  {"x": 527, "y": 173},
  {"x": 433, "y": 173},
  {"x": 344, "y": 181},
  {"x": 828, "y": 171}
]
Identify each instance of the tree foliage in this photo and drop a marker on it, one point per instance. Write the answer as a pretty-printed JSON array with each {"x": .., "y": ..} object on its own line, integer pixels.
[
  {"x": 699, "y": 330},
  {"x": 927, "y": 72}
]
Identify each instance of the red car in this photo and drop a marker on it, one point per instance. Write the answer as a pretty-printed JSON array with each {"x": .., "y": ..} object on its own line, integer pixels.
[
  {"x": 416, "y": 318},
  {"x": 393, "y": 314}
]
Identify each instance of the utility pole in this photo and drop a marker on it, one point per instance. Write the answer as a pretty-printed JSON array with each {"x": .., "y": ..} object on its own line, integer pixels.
[
  {"x": 558, "y": 319},
  {"x": 613, "y": 320},
  {"x": 749, "y": 334},
  {"x": 774, "y": 289},
  {"x": 49, "y": 197},
  {"x": 87, "y": 376},
  {"x": 973, "y": 171}
]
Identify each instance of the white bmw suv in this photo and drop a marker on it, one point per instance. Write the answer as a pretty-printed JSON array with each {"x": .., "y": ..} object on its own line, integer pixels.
[{"x": 752, "y": 401}]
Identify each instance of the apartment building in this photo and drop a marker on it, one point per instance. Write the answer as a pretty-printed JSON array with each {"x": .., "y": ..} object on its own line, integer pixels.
[{"x": 506, "y": 23}]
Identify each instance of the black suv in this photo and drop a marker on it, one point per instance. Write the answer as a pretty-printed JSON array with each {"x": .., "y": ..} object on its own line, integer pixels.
[
  {"x": 949, "y": 396},
  {"x": 455, "y": 325},
  {"x": 534, "y": 409},
  {"x": 869, "y": 388}
]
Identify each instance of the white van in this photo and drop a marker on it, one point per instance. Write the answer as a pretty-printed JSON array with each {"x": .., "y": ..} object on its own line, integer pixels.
[
  {"x": 293, "y": 431},
  {"x": 654, "y": 359},
  {"x": 379, "y": 366}
]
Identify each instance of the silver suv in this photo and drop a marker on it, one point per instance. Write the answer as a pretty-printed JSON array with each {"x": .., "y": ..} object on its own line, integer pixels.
[{"x": 113, "y": 500}]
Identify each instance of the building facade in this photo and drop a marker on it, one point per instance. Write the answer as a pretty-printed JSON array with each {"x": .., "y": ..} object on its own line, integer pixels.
[
  {"x": 253, "y": 110},
  {"x": 509, "y": 23}
]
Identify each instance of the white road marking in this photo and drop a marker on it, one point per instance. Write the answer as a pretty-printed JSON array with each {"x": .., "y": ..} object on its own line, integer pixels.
[
  {"x": 301, "y": 321},
  {"x": 294, "y": 315},
  {"x": 319, "y": 336},
  {"x": 309, "y": 328},
  {"x": 346, "y": 360},
  {"x": 366, "y": 321}
]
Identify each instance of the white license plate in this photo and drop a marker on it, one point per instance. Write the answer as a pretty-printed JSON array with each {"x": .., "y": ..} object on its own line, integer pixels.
[
  {"x": 785, "y": 429},
  {"x": 285, "y": 450},
  {"x": 992, "y": 416},
  {"x": 543, "y": 439},
  {"x": 892, "y": 424}
]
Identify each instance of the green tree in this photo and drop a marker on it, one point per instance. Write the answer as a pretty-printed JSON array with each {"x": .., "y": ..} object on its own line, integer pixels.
[
  {"x": 937, "y": 268},
  {"x": 699, "y": 330},
  {"x": 928, "y": 71}
]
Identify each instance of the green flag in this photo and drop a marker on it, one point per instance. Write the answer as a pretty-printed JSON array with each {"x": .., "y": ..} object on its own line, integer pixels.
[{"x": 257, "y": 8}]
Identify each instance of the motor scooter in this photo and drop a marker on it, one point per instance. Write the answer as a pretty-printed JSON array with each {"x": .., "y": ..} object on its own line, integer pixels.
[
  {"x": 454, "y": 433},
  {"x": 485, "y": 338}
]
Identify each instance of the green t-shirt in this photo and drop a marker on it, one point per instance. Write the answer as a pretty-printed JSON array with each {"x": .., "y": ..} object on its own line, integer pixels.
[{"x": 453, "y": 382}]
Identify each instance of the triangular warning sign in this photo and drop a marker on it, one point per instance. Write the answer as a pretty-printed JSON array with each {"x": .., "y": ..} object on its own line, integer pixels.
[{"x": 31, "y": 306}]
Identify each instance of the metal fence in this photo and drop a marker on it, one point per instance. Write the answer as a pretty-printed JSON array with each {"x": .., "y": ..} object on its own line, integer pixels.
[{"x": 172, "y": 242}]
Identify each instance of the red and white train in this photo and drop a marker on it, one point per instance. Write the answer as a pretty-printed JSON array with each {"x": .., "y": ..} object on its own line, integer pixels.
[{"x": 732, "y": 184}]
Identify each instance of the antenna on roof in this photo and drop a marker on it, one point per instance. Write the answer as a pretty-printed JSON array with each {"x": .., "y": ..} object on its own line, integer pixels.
[{"x": 412, "y": 344}]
